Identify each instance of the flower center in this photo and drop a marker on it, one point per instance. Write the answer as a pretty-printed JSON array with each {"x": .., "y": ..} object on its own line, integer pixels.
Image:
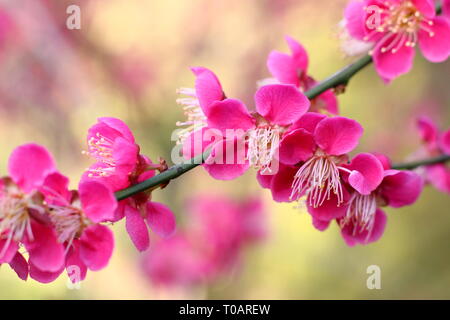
[
  {"x": 319, "y": 178},
  {"x": 68, "y": 222},
  {"x": 263, "y": 143},
  {"x": 195, "y": 117},
  {"x": 15, "y": 221},
  {"x": 101, "y": 149},
  {"x": 399, "y": 23},
  {"x": 67, "y": 218},
  {"x": 361, "y": 213}
]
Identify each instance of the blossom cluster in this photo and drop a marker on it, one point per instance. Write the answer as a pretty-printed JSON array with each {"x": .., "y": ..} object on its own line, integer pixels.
[
  {"x": 300, "y": 148},
  {"x": 66, "y": 229}
]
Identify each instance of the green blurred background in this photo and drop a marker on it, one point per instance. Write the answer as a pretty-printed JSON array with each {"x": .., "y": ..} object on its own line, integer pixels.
[{"x": 127, "y": 61}]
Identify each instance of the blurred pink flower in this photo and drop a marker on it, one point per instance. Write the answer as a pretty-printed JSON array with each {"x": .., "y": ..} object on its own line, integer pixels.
[
  {"x": 395, "y": 27},
  {"x": 23, "y": 218},
  {"x": 219, "y": 229},
  {"x": 293, "y": 69},
  {"x": 136, "y": 73},
  {"x": 435, "y": 143}
]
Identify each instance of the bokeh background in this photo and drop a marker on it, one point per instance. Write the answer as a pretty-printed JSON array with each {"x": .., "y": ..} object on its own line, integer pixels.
[{"x": 127, "y": 61}]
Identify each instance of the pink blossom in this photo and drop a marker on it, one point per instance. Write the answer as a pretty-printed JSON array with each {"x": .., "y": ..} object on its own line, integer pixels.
[
  {"x": 254, "y": 137},
  {"x": 371, "y": 185},
  {"x": 75, "y": 216},
  {"x": 23, "y": 216},
  {"x": 312, "y": 154},
  {"x": 197, "y": 101},
  {"x": 435, "y": 143},
  {"x": 111, "y": 143},
  {"x": 119, "y": 165},
  {"x": 175, "y": 262},
  {"x": 395, "y": 27},
  {"x": 293, "y": 69}
]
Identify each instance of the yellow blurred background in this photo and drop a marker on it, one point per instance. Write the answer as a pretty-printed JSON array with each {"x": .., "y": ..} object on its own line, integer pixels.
[{"x": 128, "y": 59}]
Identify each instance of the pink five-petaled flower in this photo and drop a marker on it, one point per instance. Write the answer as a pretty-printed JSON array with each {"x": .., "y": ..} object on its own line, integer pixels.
[
  {"x": 23, "y": 216},
  {"x": 435, "y": 143},
  {"x": 256, "y": 134},
  {"x": 372, "y": 184},
  {"x": 395, "y": 27},
  {"x": 111, "y": 143},
  {"x": 312, "y": 155},
  {"x": 76, "y": 216},
  {"x": 293, "y": 69},
  {"x": 207, "y": 90},
  {"x": 119, "y": 165}
]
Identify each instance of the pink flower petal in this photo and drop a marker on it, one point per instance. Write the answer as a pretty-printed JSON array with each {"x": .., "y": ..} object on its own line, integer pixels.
[
  {"x": 114, "y": 181},
  {"x": 320, "y": 224},
  {"x": 391, "y": 65},
  {"x": 97, "y": 200},
  {"x": 428, "y": 130},
  {"x": 56, "y": 189},
  {"x": 96, "y": 247},
  {"x": 355, "y": 19},
  {"x": 282, "y": 67},
  {"x": 229, "y": 114},
  {"x": 125, "y": 155},
  {"x": 30, "y": 176},
  {"x": 338, "y": 135},
  {"x": 136, "y": 228},
  {"x": 44, "y": 276},
  {"x": 426, "y": 7},
  {"x": 436, "y": 46},
  {"x": 445, "y": 142},
  {"x": 299, "y": 55},
  {"x": 281, "y": 186},
  {"x": 288, "y": 69},
  {"x": 20, "y": 266},
  {"x": 446, "y": 8},
  {"x": 160, "y": 219},
  {"x": 326, "y": 101},
  {"x": 385, "y": 161},
  {"x": 296, "y": 146},
  {"x": 199, "y": 140},
  {"x": 75, "y": 267},
  {"x": 7, "y": 254},
  {"x": 308, "y": 121},
  {"x": 119, "y": 126},
  {"x": 367, "y": 173},
  {"x": 329, "y": 210},
  {"x": 207, "y": 88},
  {"x": 439, "y": 176},
  {"x": 46, "y": 253},
  {"x": 227, "y": 160},
  {"x": 281, "y": 104},
  {"x": 401, "y": 188},
  {"x": 353, "y": 237},
  {"x": 264, "y": 180}
]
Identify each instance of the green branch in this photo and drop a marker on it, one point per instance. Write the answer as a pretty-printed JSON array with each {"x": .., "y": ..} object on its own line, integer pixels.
[{"x": 419, "y": 163}]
